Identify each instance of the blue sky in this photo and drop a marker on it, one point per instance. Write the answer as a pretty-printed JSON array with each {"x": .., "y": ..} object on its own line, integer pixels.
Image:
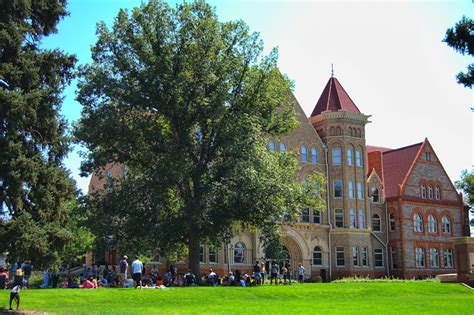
[{"x": 388, "y": 56}]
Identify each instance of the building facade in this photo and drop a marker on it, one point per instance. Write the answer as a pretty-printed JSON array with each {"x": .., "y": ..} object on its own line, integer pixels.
[{"x": 389, "y": 212}]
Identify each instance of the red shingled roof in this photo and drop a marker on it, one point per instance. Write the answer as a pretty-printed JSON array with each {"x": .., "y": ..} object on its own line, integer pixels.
[
  {"x": 372, "y": 148},
  {"x": 396, "y": 164},
  {"x": 334, "y": 98}
]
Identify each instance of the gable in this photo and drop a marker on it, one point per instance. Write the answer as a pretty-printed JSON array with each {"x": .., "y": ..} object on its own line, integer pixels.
[{"x": 427, "y": 169}]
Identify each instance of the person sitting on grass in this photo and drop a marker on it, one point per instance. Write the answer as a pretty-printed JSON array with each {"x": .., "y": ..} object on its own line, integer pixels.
[
  {"x": 212, "y": 277},
  {"x": 189, "y": 278},
  {"x": 88, "y": 284},
  {"x": 15, "y": 296},
  {"x": 3, "y": 278}
]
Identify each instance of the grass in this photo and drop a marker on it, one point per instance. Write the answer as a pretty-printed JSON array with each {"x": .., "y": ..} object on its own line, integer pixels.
[{"x": 347, "y": 298}]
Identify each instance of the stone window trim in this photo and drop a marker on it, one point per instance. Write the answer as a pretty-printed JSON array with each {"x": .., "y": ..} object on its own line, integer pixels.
[
  {"x": 352, "y": 219},
  {"x": 351, "y": 189},
  {"x": 447, "y": 255},
  {"x": 355, "y": 256},
  {"x": 361, "y": 219},
  {"x": 365, "y": 256},
  {"x": 304, "y": 154},
  {"x": 336, "y": 155},
  {"x": 317, "y": 216},
  {"x": 375, "y": 195},
  {"x": 432, "y": 223},
  {"x": 340, "y": 256},
  {"x": 379, "y": 258},
  {"x": 317, "y": 256},
  {"x": 339, "y": 218},
  {"x": 334, "y": 188},
  {"x": 392, "y": 221},
  {"x": 350, "y": 156},
  {"x": 376, "y": 223},
  {"x": 430, "y": 190},
  {"x": 314, "y": 155},
  {"x": 418, "y": 222},
  {"x": 359, "y": 157},
  {"x": 447, "y": 214},
  {"x": 434, "y": 257},
  {"x": 240, "y": 253},
  {"x": 420, "y": 257}
]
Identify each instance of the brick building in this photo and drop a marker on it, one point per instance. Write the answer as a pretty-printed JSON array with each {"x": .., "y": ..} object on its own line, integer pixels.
[{"x": 388, "y": 211}]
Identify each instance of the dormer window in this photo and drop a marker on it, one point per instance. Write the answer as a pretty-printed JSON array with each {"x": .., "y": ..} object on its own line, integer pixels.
[{"x": 375, "y": 194}]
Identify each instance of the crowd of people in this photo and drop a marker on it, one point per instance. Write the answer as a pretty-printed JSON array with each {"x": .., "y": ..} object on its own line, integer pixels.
[{"x": 139, "y": 275}]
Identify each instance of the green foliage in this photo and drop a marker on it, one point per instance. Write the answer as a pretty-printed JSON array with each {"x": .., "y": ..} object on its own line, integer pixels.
[
  {"x": 188, "y": 104},
  {"x": 35, "y": 187},
  {"x": 461, "y": 39},
  {"x": 466, "y": 185}
]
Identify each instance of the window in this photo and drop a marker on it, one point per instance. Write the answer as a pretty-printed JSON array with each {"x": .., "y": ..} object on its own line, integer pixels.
[
  {"x": 432, "y": 226},
  {"x": 314, "y": 155},
  {"x": 317, "y": 216},
  {"x": 420, "y": 257},
  {"x": 355, "y": 256},
  {"x": 391, "y": 218},
  {"x": 201, "y": 254},
  {"x": 350, "y": 157},
  {"x": 304, "y": 154},
  {"x": 376, "y": 223},
  {"x": 336, "y": 156},
  {"x": 359, "y": 158},
  {"x": 109, "y": 180},
  {"x": 430, "y": 191},
  {"x": 337, "y": 189},
  {"x": 340, "y": 256},
  {"x": 360, "y": 191},
  {"x": 438, "y": 193},
  {"x": 271, "y": 146},
  {"x": 239, "y": 253},
  {"x": 423, "y": 191},
  {"x": 365, "y": 256},
  {"x": 305, "y": 215},
  {"x": 352, "y": 219},
  {"x": 339, "y": 218},
  {"x": 448, "y": 258},
  {"x": 351, "y": 190},
  {"x": 213, "y": 254},
  {"x": 361, "y": 219},
  {"x": 427, "y": 156},
  {"x": 378, "y": 257},
  {"x": 434, "y": 258},
  {"x": 446, "y": 225},
  {"x": 282, "y": 147},
  {"x": 317, "y": 256},
  {"x": 394, "y": 257},
  {"x": 375, "y": 194},
  {"x": 418, "y": 223}
]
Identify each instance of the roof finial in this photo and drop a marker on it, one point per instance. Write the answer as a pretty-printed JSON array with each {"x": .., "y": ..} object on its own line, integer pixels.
[{"x": 332, "y": 70}]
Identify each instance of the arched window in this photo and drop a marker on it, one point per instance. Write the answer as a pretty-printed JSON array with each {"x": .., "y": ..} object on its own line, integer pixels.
[
  {"x": 350, "y": 156},
  {"x": 420, "y": 257},
  {"x": 423, "y": 191},
  {"x": 361, "y": 219},
  {"x": 391, "y": 218},
  {"x": 332, "y": 131},
  {"x": 317, "y": 256},
  {"x": 434, "y": 258},
  {"x": 352, "y": 219},
  {"x": 314, "y": 155},
  {"x": 271, "y": 146},
  {"x": 430, "y": 191},
  {"x": 432, "y": 226},
  {"x": 359, "y": 160},
  {"x": 448, "y": 258},
  {"x": 338, "y": 131},
  {"x": 438, "y": 193},
  {"x": 304, "y": 154},
  {"x": 375, "y": 194},
  {"x": 418, "y": 223},
  {"x": 239, "y": 253},
  {"x": 446, "y": 223},
  {"x": 376, "y": 223},
  {"x": 282, "y": 147}
]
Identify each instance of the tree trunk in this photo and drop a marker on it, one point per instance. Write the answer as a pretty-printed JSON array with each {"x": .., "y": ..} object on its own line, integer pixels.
[{"x": 194, "y": 251}]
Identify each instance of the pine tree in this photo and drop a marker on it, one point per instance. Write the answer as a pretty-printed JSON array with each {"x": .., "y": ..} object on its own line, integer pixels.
[{"x": 35, "y": 187}]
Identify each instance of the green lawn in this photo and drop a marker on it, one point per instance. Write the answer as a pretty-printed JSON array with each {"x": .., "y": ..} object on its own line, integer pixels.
[{"x": 356, "y": 298}]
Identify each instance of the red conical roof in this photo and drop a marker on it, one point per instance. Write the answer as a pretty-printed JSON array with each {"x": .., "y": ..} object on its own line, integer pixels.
[{"x": 334, "y": 98}]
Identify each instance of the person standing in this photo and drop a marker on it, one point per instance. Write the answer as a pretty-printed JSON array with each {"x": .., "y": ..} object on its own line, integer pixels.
[
  {"x": 256, "y": 272},
  {"x": 123, "y": 271},
  {"x": 274, "y": 274},
  {"x": 289, "y": 271},
  {"x": 27, "y": 270},
  {"x": 137, "y": 267},
  {"x": 301, "y": 273},
  {"x": 262, "y": 273},
  {"x": 15, "y": 296},
  {"x": 13, "y": 268}
]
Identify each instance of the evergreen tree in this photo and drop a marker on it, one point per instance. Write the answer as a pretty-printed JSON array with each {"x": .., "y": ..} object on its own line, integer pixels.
[
  {"x": 35, "y": 187},
  {"x": 461, "y": 39},
  {"x": 188, "y": 103}
]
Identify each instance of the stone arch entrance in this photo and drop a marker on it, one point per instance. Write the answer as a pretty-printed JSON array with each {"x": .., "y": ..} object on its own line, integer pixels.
[{"x": 294, "y": 254}]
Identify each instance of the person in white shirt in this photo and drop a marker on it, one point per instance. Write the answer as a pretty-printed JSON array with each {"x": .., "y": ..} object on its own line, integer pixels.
[
  {"x": 137, "y": 267},
  {"x": 15, "y": 296},
  {"x": 212, "y": 277},
  {"x": 301, "y": 273}
]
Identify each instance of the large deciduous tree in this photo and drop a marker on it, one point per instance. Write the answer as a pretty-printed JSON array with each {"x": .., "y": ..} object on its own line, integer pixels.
[
  {"x": 35, "y": 187},
  {"x": 188, "y": 104},
  {"x": 461, "y": 39}
]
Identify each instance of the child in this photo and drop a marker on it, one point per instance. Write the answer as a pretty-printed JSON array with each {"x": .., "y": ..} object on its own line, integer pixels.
[{"x": 15, "y": 296}]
